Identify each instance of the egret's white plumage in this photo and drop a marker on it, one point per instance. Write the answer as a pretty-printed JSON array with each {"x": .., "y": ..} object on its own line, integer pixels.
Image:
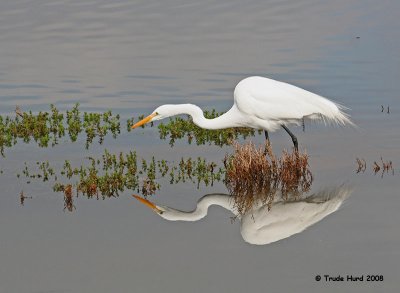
[
  {"x": 260, "y": 225},
  {"x": 261, "y": 103},
  {"x": 272, "y": 103}
]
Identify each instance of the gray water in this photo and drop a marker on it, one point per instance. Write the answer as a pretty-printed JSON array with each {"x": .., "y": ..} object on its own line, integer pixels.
[{"x": 131, "y": 56}]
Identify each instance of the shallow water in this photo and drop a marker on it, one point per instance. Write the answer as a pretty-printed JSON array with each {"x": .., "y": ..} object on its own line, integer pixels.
[{"x": 132, "y": 56}]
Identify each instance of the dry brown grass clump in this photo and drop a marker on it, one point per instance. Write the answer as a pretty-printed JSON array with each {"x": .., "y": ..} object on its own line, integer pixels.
[{"x": 256, "y": 174}]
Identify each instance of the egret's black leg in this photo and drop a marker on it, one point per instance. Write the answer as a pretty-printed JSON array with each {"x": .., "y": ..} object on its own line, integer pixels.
[
  {"x": 266, "y": 135},
  {"x": 294, "y": 138}
]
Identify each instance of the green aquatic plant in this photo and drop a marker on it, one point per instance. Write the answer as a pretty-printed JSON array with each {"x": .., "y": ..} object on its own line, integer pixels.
[
  {"x": 98, "y": 125},
  {"x": 74, "y": 122},
  {"x": 47, "y": 171},
  {"x": 56, "y": 125},
  {"x": 46, "y": 128},
  {"x": 113, "y": 173}
]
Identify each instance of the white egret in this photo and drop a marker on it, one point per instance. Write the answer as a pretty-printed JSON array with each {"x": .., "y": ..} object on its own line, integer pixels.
[
  {"x": 262, "y": 226},
  {"x": 262, "y": 103}
]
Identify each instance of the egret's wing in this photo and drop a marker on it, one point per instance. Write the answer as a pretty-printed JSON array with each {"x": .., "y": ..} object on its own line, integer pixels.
[{"x": 269, "y": 99}]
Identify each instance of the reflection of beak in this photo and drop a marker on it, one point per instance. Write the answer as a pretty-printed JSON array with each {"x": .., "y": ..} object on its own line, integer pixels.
[
  {"x": 147, "y": 203},
  {"x": 144, "y": 121}
]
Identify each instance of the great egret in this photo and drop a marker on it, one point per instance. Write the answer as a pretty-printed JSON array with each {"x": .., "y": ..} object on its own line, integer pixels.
[
  {"x": 262, "y": 226},
  {"x": 261, "y": 103}
]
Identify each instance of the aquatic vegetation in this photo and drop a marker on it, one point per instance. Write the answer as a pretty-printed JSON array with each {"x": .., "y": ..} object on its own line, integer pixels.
[
  {"x": 256, "y": 174},
  {"x": 386, "y": 167},
  {"x": 98, "y": 125},
  {"x": 68, "y": 195},
  {"x": 376, "y": 168},
  {"x": 112, "y": 174},
  {"x": 74, "y": 122},
  {"x": 46, "y": 128},
  {"x": 247, "y": 173},
  {"x": 362, "y": 165}
]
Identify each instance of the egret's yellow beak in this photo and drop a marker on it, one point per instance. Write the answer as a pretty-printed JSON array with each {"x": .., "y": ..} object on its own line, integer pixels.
[
  {"x": 147, "y": 203},
  {"x": 144, "y": 121}
]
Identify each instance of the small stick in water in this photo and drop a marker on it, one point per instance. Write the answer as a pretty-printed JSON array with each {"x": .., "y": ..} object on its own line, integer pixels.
[{"x": 18, "y": 111}]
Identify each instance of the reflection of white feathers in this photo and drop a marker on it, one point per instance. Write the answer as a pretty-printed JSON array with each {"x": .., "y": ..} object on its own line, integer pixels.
[
  {"x": 260, "y": 226},
  {"x": 285, "y": 219}
]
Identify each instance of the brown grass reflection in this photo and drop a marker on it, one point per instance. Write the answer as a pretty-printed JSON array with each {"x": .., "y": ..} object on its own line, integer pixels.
[{"x": 68, "y": 198}]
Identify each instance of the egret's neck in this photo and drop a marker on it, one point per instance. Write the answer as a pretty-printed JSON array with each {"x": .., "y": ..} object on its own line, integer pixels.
[
  {"x": 201, "y": 210},
  {"x": 232, "y": 118}
]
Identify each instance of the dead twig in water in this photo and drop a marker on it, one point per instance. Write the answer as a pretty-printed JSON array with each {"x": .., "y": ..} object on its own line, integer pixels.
[
  {"x": 18, "y": 111},
  {"x": 22, "y": 197}
]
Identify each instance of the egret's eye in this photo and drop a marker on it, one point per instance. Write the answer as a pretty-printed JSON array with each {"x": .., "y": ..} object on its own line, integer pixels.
[
  {"x": 161, "y": 212},
  {"x": 157, "y": 113}
]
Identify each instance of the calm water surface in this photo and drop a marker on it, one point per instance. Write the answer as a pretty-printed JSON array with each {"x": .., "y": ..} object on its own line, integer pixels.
[{"x": 130, "y": 56}]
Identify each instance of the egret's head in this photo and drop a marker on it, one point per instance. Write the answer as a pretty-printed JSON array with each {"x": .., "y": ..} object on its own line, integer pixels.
[
  {"x": 162, "y": 211},
  {"x": 161, "y": 112}
]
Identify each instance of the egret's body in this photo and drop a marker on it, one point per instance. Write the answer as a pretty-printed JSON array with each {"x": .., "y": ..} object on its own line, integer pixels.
[
  {"x": 261, "y": 103},
  {"x": 260, "y": 225}
]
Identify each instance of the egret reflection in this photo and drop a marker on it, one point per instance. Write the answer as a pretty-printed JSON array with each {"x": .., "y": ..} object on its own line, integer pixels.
[{"x": 265, "y": 222}]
